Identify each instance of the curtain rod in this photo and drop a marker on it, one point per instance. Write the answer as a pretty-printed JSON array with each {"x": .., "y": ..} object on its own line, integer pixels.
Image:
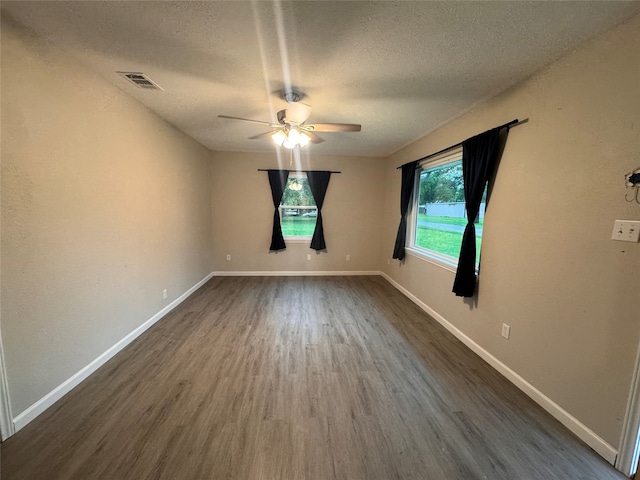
[
  {"x": 511, "y": 124},
  {"x": 295, "y": 171}
]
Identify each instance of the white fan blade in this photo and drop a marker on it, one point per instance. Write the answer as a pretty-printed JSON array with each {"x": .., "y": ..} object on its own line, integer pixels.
[
  {"x": 261, "y": 135},
  {"x": 314, "y": 138},
  {"x": 334, "y": 127},
  {"x": 249, "y": 120}
]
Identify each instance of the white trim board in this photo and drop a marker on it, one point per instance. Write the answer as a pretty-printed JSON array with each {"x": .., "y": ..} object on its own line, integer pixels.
[
  {"x": 582, "y": 431},
  {"x": 627, "y": 461},
  {"x": 7, "y": 427},
  {"x": 65, "y": 387},
  {"x": 288, "y": 273}
]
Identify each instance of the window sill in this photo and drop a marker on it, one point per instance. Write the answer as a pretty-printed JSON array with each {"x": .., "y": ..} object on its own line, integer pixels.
[
  {"x": 433, "y": 259},
  {"x": 297, "y": 239}
]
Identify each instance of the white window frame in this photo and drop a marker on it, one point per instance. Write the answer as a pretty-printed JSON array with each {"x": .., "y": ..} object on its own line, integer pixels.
[
  {"x": 296, "y": 238},
  {"x": 431, "y": 256}
]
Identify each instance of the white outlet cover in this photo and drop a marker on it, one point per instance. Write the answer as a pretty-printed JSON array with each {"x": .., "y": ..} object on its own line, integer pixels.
[
  {"x": 626, "y": 231},
  {"x": 506, "y": 331}
]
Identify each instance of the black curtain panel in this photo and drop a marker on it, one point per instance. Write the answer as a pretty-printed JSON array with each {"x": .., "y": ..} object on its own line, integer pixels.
[
  {"x": 479, "y": 160},
  {"x": 278, "y": 182},
  {"x": 318, "y": 183},
  {"x": 408, "y": 177}
]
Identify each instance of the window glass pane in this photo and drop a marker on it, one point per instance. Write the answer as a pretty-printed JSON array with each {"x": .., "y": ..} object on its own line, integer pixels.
[
  {"x": 298, "y": 210},
  {"x": 441, "y": 214}
]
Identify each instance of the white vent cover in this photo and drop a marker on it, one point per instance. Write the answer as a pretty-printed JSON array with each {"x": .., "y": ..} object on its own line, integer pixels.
[{"x": 140, "y": 80}]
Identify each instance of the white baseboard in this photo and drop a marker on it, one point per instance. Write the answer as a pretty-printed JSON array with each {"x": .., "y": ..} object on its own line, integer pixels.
[
  {"x": 65, "y": 387},
  {"x": 582, "y": 431},
  {"x": 306, "y": 273}
]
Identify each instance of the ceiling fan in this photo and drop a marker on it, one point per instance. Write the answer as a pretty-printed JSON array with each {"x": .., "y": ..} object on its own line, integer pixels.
[{"x": 292, "y": 128}]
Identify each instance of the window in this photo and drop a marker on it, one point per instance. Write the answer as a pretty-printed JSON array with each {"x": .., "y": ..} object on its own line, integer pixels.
[
  {"x": 298, "y": 210},
  {"x": 438, "y": 216}
]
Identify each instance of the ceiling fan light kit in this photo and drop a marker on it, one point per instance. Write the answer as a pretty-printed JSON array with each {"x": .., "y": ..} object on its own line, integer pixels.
[
  {"x": 290, "y": 139},
  {"x": 279, "y": 137}
]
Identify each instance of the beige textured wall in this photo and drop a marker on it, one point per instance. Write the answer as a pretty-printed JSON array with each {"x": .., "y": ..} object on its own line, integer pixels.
[
  {"x": 549, "y": 268},
  {"x": 103, "y": 206},
  {"x": 243, "y": 214}
]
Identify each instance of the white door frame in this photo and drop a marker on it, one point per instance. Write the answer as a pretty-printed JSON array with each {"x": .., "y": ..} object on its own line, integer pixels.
[
  {"x": 7, "y": 428},
  {"x": 627, "y": 461}
]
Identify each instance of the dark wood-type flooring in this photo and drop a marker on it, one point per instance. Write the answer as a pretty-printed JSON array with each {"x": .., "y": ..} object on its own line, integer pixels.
[{"x": 297, "y": 378}]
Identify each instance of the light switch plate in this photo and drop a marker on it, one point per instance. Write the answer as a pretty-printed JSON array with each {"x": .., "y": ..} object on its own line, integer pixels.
[{"x": 626, "y": 231}]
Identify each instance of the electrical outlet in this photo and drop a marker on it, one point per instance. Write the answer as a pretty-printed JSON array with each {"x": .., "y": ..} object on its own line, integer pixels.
[
  {"x": 308, "y": 256},
  {"x": 164, "y": 294},
  {"x": 228, "y": 257},
  {"x": 348, "y": 257},
  {"x": 626, "y": 231},
  {"x": 506, "y": 331},
  {"x": 388, "y": 261}
]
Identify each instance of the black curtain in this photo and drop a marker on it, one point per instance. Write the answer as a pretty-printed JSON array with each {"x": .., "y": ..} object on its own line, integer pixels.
[
  {"x": 408, "y": 177},
  {"x": 278, "y": 182},
  {"x": 479, "y": 160},
  {"x": 318, "y": 183}
]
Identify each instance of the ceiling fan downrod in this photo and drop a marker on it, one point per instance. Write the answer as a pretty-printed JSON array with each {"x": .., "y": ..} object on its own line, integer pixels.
[{"x": 291, "y": 97}]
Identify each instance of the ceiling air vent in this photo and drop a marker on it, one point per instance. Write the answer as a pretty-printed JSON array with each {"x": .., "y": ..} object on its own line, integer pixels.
[{"x": 140, "y": 80}]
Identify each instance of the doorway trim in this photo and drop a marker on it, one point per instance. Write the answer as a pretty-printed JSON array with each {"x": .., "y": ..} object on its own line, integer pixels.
[
  {"x": 7, "y": 427},
  {"x": 627, "y": 461}
]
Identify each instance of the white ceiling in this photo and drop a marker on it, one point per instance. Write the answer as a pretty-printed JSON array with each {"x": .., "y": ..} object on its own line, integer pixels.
[{"x": 401, "y": 69}]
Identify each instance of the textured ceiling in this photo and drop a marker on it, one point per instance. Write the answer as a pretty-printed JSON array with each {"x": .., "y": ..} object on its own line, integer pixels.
[{"x": 401, "y": 69}]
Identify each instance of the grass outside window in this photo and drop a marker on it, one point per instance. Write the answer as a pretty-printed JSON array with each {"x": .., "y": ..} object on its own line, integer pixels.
[
  {"x": 298, "y": 226},
  {"x": 446, "y": 242}
]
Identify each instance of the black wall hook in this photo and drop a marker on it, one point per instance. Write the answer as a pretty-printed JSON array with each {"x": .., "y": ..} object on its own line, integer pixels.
[{"x": 633, "y": 181}]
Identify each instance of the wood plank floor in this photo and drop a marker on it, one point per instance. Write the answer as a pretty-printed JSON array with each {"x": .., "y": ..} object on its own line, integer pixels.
[{"x": 297, "y": 378}]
